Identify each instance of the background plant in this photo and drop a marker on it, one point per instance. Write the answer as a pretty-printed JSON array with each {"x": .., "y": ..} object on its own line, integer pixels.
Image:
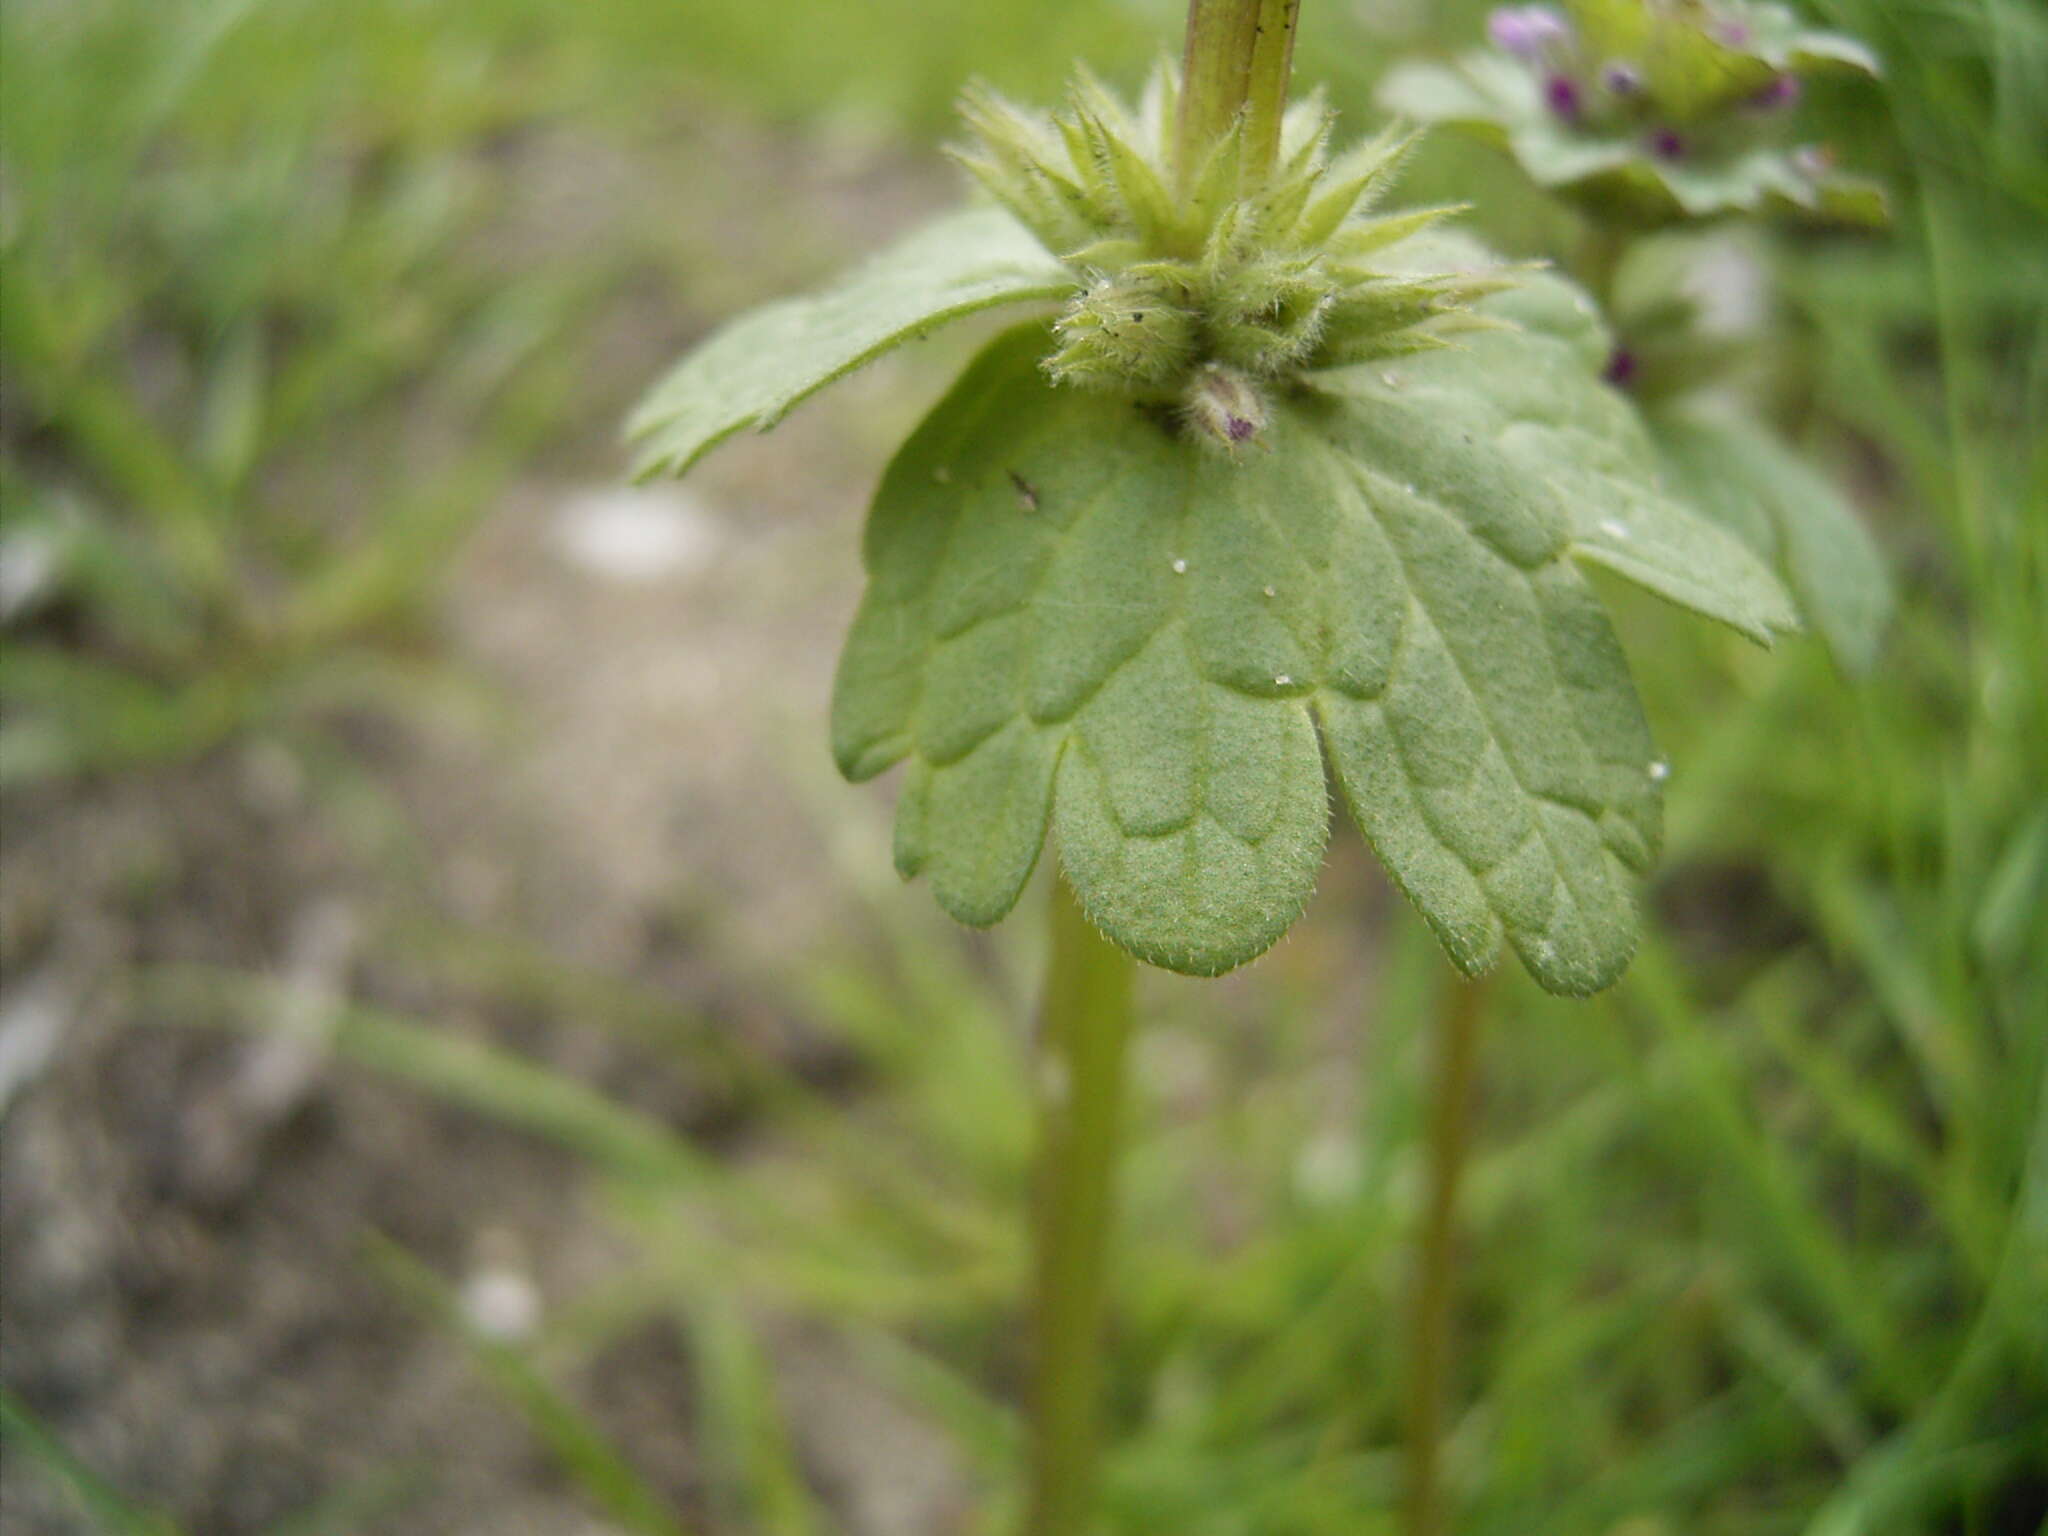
[{"x": 1650, "y": 118}]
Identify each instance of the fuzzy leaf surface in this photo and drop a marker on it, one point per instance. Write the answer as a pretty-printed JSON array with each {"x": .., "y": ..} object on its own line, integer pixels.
[
  {"x": 1737, "y": 470},
  {"x": 1078, "y": 620},
  {"x": 1535, "y": 393},
  {"x": 754, "y": 370}
]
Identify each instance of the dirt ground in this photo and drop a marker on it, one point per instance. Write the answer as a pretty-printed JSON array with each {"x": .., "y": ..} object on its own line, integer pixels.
[{"x": 184, "y": 1297}]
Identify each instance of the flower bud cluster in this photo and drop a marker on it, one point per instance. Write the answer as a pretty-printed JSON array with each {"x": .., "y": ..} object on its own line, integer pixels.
[
  {"x": 1652, "y": 111},
  {"x": 1669, "y": 71},
  {"x": 1201, "y": 285}
]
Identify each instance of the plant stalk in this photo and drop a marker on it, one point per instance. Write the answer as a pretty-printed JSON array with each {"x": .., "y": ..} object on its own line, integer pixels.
[
  {"x": 1239, "y": 60},
  {"x": 1450, "y": 1116},
  {"x": 1083, "y": 1035},
  {"x": 1597, "y": 262}
]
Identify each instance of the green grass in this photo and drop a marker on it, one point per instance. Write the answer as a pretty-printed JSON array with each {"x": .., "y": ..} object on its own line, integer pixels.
[{"x": 1757, "y": 1243}]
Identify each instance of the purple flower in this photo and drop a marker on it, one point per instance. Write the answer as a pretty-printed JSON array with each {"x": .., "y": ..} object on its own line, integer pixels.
[
  {"x": 1621, "y": 79},
  {"x": 1667, "y": 144},
  {"x": 1527, "y": 31},
  {"x": 1561, "y": 95}
]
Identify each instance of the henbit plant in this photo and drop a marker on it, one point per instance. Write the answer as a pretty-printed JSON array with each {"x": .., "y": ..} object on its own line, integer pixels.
[
  {"x": 1646, "y": 117},
  {"x": 1129, "y": 611},
  {"x": 1284, "y": 479}
]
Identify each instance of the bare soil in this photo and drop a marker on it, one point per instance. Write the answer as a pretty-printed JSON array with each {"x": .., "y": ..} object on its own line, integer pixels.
[{"x": 183, "y": 1293}]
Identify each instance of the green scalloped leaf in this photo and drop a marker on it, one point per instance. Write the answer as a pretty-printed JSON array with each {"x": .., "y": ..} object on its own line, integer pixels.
[
  {"x": 1534, "y": 394},
  {"x": 1838, "y": 200},
  {"x": 1780, "y": 38},
  {"x": 1077, "y": 619},
  {"x": 1479, "y": 93},
  {"x": 1737, "y": 470},
  {"x": 750, "y": 373}
]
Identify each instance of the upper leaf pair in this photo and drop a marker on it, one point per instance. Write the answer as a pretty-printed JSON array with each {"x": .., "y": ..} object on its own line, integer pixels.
[{"x": 1650, "y": 113}]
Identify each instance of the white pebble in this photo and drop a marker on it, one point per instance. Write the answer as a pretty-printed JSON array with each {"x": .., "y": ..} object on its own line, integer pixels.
[
  {"x": 502, "y": 1304},
  {"x": 31, "y": 560},
  {"x": 635, "y": 535},
  {"x": 33, "y": 1017}
]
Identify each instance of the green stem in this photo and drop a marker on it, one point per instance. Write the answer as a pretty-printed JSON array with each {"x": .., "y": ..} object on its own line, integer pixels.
[
  {"x": 1597, "y": 260},
  {"x": 1449, "y": 1134},
  {"x": 1082, "y": 1038},
  {"x": 1240, "y": 55}
]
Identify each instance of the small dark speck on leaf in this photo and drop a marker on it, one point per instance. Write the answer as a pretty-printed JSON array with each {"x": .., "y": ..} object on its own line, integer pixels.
[{"x": 1027, "y": 493}]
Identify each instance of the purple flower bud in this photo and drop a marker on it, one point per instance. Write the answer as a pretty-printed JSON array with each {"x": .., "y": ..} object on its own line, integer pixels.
[
  {"x": 1527, "y": 31},
  {"x": 1223, "y": 407},
  {"x": 1667, "y": 144},
  {"x": 1782, "y": 92},
  {"x": 1622, "y": 79},
  {"x": 1561, "y": 95},
  {"x": 1620, "y": 369}
]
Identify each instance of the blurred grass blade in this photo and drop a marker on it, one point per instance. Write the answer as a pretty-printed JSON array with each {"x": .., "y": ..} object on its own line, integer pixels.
[
  {"x": 107, "y": 1509},
  {"x": 1719, "y": 1133},
  {"x": 1805, "y": 1374},
  {"x": 123, "y": 445},
  {"x": 742, "y": 1433},
  {"x": 72, "y": 714},
  {"x": 581, "y": 1449},
  {"x": 986, "y": 1427},
  {"x": 840, "y": 1260},
  {"x": 358, "y": 1505},
  {"x": 2013, "y": 915},
  {"x": 462, "y": 1071}
]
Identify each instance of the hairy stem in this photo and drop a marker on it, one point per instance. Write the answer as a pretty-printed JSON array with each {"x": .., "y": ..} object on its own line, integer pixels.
[
  {"x": 1266, "y": 100},
  {"x": 1239, "y": 58},
  {"x": 1083, "y": 1034},
  {"x": 1449, "y": 1133}
]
